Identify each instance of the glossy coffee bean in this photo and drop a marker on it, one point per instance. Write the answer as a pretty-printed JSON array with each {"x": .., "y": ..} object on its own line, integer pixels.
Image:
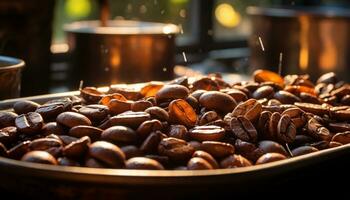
[
  {"x": 41, "y": 157},
  {"x": 129, "y": 119},
  {"x": 19, "y": 150},
  {"x": 268, "y": 76},
  {"x": 264, "y": 92},
  {"x": 330, "y": 77},
  {"x": 50, "y": 111},
  {"x": 217, "y": 149},
  {"x": 43, "y": 144},
  {"x": 268, "y": 146},
  {"x": 303, "y": 150},
  {"x": 171, "y": 92},
  {"x": 151, "y": 88},
  {"x": 140, "y": 105},
  {"x": 205, "y": 83},
  {"x": 270, "y": 157},
  {"x": 207, "y": 133},
  {"x": 53, "y": 128},
  {"x": 343, "y": 138},
  {"x": 333, "y": 144},
  {"x": 176, "y": 149},
  {"x": 158, "y": 113},
  {"x": 297, "y": 116},
  {"x": 95, "y": 112},
  {"x": 71, "y": 119},
  {"x": 339, "y": 127},
  {"x": 92, "y": 132},
  {"x": 94, "y": 163},
  {"x": 117, "y": 106},
  {"x": 129, "y": 93},
  {"x": 250, "y": 109},
  {"x": 131, "y": 151},
  {"x": 243, "y": 129},
  {"x": 317, "y": 130},
  {"x": 119, "y": 135},
  {"x": 64, "y": 161},
  {"x": 67, "y": 139},
  {"x": 148, "y": 127},
  {"x": 107, "y": 98},
  {"x": 286, "y": 130},
  {"x": 206, "y": 156},
  {"x": 178, "y": 131},
  {"x": 29, "y": 123},
  {"x": 286, "y": 97},
  {"x": 234, "y": 161},
  {"x": 208, "y": 117},
  {"x": 313, "y": 108},
  {"x": 8, "y": 135},
  {"x": 150, "y": 144},
  {"x": 107, "y": 153},
  {"x": 214, "y": 100},
  {"x": 181, "y": 112},
  {"x": 25, "y": 106},
  {"x": 143, "y": 163},
  {"x": 248, "y": 150},
  {"x": 77, "y": 148},
  {"x": 91, "y": 94},
  {"x": 197, "y": 163},
  {"x": 7, "y": 119}
]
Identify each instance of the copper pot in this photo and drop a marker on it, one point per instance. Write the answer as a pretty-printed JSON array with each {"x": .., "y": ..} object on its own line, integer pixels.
[
  {"x": 311, "y": 40},
  {"x": 124, "y": 51}
]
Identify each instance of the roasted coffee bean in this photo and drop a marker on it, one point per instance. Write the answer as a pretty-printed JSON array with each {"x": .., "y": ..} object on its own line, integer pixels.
[
  {"x": 313, "y": 108},
  {"x": 143, "y": 163},
  {"x": 207, "y": 133},
  {"x": 25, "y": 106},
  {"x": 297, "y": 116},
  {"x": 330, "y": 77},
  {"x": 217, "y": 149},
  {"x": 8, "y": 135},
  {"x": 345, "y": 100},
  {"x": 130, "y": 93},
  {"x": 50, "y": 111},
  {"x": 71, "y": 119},
  {"x": 339, "y": 127},
  {"x": 342, "y": 91},
  {"x": 198, "y": 93},
  {"x": 158, "y": 113},
  {"x": 107, "y": 98},
  {"x": 91, "y": 94},
  {"x": 192, "y": 101},
  {"x": 236, "y": 94},
  {"x": 96, "y": 113},
  {"x": 317, "y": 130},
  {"x": 117, "y": 106},
  {"x": 176, "y": 149},
  {"x": 333, "y": 144},
  {"x": 341, "y": 113},
  {"x": 270, "y": 157},
  {"x": 264, "y": 124},
  {"x": 151, "y": 89},
  {"x": 129, "y": 119},
  {"x": 268, "y": 146},
  {"x": 43, "y": 144},
  {"x": 264, "y": 92},
  {"x": 53, "y": 128},
  {"x": 286, "y": 97},
  {"x": 131, "y": 151},
  {"x": 94, "y": 163},
  {"x": 343, "y": 138},
  {"x": 243, "y": 129},
  {"x": 29, "y": 123},
  {"x": 301, "y": 140},
  {"x": 197, "y": 163},
  {"x": 171, "y": 92},
  {"x": 248, "y": 150},
  {"x": 164, "y": 160},
  {"x": 308, "y": 98},
  {"x": 286, "y": 130},
  {"x": 178, "y": 131},
  {"x": 268, "y": 76},
  {"x": 205, "y": 83},
  {"x": 19, "y": 150},
  {"x": 183, "y": 80},
  {"x": 250, "y": 109},
  {"x": 206, "y": 156},
  {"x": 7, "y": 119},
  {"x": 303, "y": 150},
  {"x": 214, "y": 100},
  {"x": 149, "y": 126},
  {"x": 234, "y": 161},
  {"x": 64, "y": 161},
  {"x": 181, "y": 112},
  {"x": 92, "y": 132},
  {"x": 195, "y": 144},
  {"x": 320, "y": 145},
  {"x": 3, "y": 150},
  {"x": 107, "y": 153},
  {"x": 67, "y": 139},
  {"x": 140, "y": 105},
  {"x": 39, "y": 157},
  {"x": 119, "y": 135},
  {"x": 77, "y": 148}
]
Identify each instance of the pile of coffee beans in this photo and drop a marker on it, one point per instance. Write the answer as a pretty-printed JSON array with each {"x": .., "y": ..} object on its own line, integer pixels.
[{"x": 186, "y": 124}]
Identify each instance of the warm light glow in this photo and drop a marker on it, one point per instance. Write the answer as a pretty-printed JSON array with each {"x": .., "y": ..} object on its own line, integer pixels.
[
  {"x": 304, "y": 43},
  {"x": 78, "y": 8},
  {"x": 227, "y": 16},
  {"x": 328, "y": 56}
]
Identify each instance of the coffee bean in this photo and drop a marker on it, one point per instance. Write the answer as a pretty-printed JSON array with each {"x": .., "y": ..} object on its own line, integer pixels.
[
  {"x": 270, "y": 157},
  {"x": 39, "y": 157},
  {"x": 129, "y": 119},
  {"x": 53, "y": 128},
  {"x": 19, "y": 150},
  {"x": 264, "y": 92},
  {"x": 333, "y": 144},
  {"x": 176, "y": 149},
  {"x": 248, "y": 150},
  {"x": 140, "y": 105},
  {"x": 92, "y": 132},
  {"x": 25, "y": 106},
  {"x": 343, "y": 138},
  {"x": 268, "y": 146},
  {"x": 197, "y": 163},
  {"x": 181, "y": 112},
  {"x": 29, "y": 123},
  {"x": 151, "y": 89},
  {"x": 8, "y": 135},
  {"x": 117, "y": 106},
  {"x": 301, "y": 140},
  {"x": 131, "y": 151},
  {"x": 107, "y": 98},
  {"x": 297, "y": 116},
  {"x": 64, "y": 161},
  {"x": 215, "y": 100},
  {"x": 313, "y": 108},
  {"x": 236, "y": 94},
  {"x": 250, "y": 109},
  {"x": 206, "y": 156},
  {"x": 143, "y": 163},
  {"x": 308, "y": 98},
  {"x": 205, "y": 83},
  {"x": 264, "y": 124},
  {"x": 3, "y": 150},
  {"x": 149, "y": 126},
  {"x": 43, "y": 144},
  {"x": 341, "y": 113},
  {"x": 217, "y": 149},
  {"x": 96, "y": 113},
  {"x": 91, "y": 94},
  {"x": 71, "y": 119},
  {"x": 345, "y": 100},
  {"x": 286, "y": 97},
  {"x": 317, "y": 130},
  {"x": 209, "y": 133},
  {"x": 243, "y": 129},
  {"x": 7, "y": 119},
  {"x": 150, "y": 144},
  {"x": 171, "y": 92},
  {"x": 234, "y": 161},
  {"x": 77, "y": 148},
  {"x": 130, "y": 93},
  {"x": 195, "y": 144},
  {"x": 158, "y": 113},
  {"x": 67, "y": 139},
  {"x": 178, "y": 131},
  {"x": 268, "y": 76},
  {"x": 286, "y": 130},
  {"x": 107, "y": 153},
  {"x": 198, "y": 93},
  {"x": 303, "y": 150},
  {"x": 119, "y": 135},
  {"x": 330, "y": 77},
  {"x": 50, "y": 111}
]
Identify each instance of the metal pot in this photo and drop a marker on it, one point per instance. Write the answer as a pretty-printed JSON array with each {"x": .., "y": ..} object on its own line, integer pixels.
[
  {"x": 125, "y": 51},
  {"x": 10, "y": 77},
  {"x": 311, "y": 40}
]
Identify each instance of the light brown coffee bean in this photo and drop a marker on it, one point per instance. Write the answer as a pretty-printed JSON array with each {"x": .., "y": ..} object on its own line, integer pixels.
[
  {"x": 91, "y": 94},
  {"x": 218, "y": 149},
  {"x": 206, "y": 156},
  {"x": 71, "y": 119},
  {"x": 234, "y": 161},
  {"x": 129, "y": 119},
  {"x": 39, "y": 157},
  {"x": 119, "y": 135},
  {"x": 207, "y": 133},
  {"x": 297, "y": 116},
  {"x": 197, "y": 163},
  {"x": 107, "y": 153},
  {"x": 250, "y": 109},
  {"x": 92, "y": 132},
  {"x": 343, "y": 138},
  {"x": 177, "y": 150},
  {"x": 181, "y": 112},
  {"x": 270, "y": 157},
  {"x": 214, "y": 100},
  {"x": 171, "y": 92},
  {"x": 143, "y": 163}
]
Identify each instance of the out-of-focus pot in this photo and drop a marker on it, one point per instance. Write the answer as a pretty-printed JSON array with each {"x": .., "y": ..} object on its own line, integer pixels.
[
  {"x": 312, "y": 40},
  {"x": 10, "y": 77},
  {"x": 124, "y": 51}
]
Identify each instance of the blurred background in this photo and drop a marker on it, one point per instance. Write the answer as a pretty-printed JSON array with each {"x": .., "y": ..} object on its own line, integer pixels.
[{"x": 214, "y": 35}]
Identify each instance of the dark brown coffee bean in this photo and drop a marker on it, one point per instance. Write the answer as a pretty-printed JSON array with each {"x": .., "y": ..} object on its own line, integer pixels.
[
  {"x": 64, "y": 161},
  {"x": 303, "y": 150},
  {"x": 243, "y": 129},
  {"x": 270, "y": 157},
  {"x": 119, "y": 135},
  {"x": 197, "y": 93},
  {"x": 25, "y": 106},
  {"x": 29, "y": 123},
  {"x": 67, "y": 139},
  {"x": 264, "y": 92},
  {"x": 301, "y": 140},
  {"x": 50, "y": 111},
  {"x": 250, "y": 109},
  {"x": 286, "y": 97},
  {"x": 129, "y": 119},
  {"x": 268, "y": 146},
  {"x": 236, "y": 94},
  {"x": 95, "y": 112},
  {"x": 218, "y": 149},
  {"x": 91, "y": 94},
  {"x": 341, "y": 91},
  {"x": 297, "y": 116},
  {"x": 264, "y": 123},
  {"x": 343, "y": 138},
  {"x": 339, "y": 127},
  {"x": 273, "y": 125},
  {"x": 345, "y": 100},
  {"x": 164, "y": 160},
  {"x": 329, "y": 77},
  {"x": 158, "y": 113},
  {"x": 148, "y": 127},
  {"x": 177, "y": 150},
  {"x": 43, "y": 144},
  {"x": 193, "y": 102},
  {"x": 317, "y": 130},
  {"x": 117, "y": 106},
  {"x": 313, "y": 108},
  {"x": 53, "y": 128},
  {"x": 181, "y": 112},
  {"x": 19, "y": 150},
  {"x": 286, "y": 130},
  {"x": 197, "y": 163},
  {"x": 341, "y": 113},
  {"x": 205, "y": 83},
  {"x": 214, "y": 100},
  {"x": 94, "y": 163},
  {"x": 131, "y": 151},
  {"x": 195, "y": 144},
  {"x": 150, "y": 144},
  {"x": 206, "y": 156},
  {"x": 7, "y": 119},
  {"x": 248, "y": 150},
  {"x": 308, "y": 98},
  {"x": 140, "y": 105},
  {"x": 209, "y": 133},
  {"x": 82, "y": 130},
  {"x": 178, "y": 131},
  {"x": 39, "y": 157},
  {"x": 208, "y": 117},
  {"x": 320, "y": 145},
  {"x": 8, "y": 135},
  {"x": 77, "y": 148},
  {"x": 107, "y": 153},
  {"x": 171, "y": 92},
  {"x": 143, "y": 163},
  {"x": 71, "y": 119},
  {"x": 234, "y": 161}
]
